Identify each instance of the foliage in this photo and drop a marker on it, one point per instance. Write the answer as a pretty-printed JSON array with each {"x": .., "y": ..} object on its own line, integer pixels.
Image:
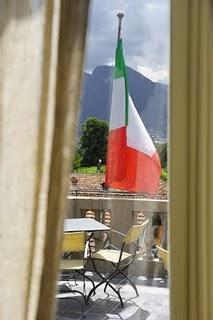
[
  {"x": 76, "y": 160},
  {"x": 90, "y": 170},
  {"x": 164, "y": 174},
  {"x": 93, "y": 146},
  {"x": 162, "y": 150},
  {"x": 93, "y": 142}
]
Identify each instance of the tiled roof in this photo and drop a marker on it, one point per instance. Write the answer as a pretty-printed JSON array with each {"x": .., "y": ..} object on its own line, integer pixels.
[{"x": 90, "y": 184}]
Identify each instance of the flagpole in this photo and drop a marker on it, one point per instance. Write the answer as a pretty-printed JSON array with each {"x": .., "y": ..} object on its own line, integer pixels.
[{"x": 120, "y": 16}]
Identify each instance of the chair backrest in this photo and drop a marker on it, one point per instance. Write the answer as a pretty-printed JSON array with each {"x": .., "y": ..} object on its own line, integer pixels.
[
  {"x": 134, "y": 233},
  {"x": 163, "y": 253},
  {"x": 73, "y": 241}
]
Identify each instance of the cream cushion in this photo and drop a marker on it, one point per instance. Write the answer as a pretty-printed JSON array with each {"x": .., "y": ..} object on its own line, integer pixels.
[
  {"x": 110, "y": 255},
  {"x": 71, "y": 264}
]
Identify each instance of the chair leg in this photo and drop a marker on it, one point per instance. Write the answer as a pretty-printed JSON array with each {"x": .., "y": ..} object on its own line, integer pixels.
[
  {"x": 107, "y": 283},
  {"x": 93, "y": 290},
  {"x": 105, "y": 287},
  {"x": 98, "y": 285},
  {"x": 84, "y": 286},
  {"x": 131, "y": 282},
  {"x": 88, "y": 278},
  {"x": 115, "y": 268},
  {"x": 117, "y": 292},
  {"x": 74, "y": 277},
  {"x": 121, "y": 271}
]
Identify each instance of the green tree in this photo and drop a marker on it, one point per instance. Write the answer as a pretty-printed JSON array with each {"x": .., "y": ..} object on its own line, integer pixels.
[
  {"x": 93, "y": 142},
  {"x": 77, "y": 159},
  {"x": 162, "y": 150}
]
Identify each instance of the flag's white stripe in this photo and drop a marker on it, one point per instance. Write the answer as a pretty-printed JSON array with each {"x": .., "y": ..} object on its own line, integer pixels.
[
  {"x": 137, "y": 135},
  {"x": 117, "y": 117}
]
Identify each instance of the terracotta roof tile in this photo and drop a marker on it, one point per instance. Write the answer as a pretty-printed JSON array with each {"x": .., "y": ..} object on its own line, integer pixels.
[{"x": 88, "y": 184}]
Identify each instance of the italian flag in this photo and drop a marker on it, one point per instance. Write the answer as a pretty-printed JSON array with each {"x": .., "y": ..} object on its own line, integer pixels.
[{"x": 133, "y": 163}]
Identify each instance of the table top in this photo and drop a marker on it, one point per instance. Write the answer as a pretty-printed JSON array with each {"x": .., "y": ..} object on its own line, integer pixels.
[{"x": 83, "y": 224}]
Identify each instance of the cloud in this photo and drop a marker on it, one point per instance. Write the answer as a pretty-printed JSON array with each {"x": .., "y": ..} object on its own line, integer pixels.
[
  {"x": 154, "y": 75},
  {"x": 145, "y": 30}
]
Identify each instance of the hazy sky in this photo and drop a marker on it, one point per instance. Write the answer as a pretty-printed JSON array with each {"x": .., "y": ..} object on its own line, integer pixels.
[{"x": 145, "y": 30}]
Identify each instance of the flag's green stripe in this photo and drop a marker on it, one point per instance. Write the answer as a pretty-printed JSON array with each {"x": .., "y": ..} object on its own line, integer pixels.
[
  {"x": 119, "y": 61},
  {"x": 120, "y": 71},
  {"x": 126, "y": 93}
]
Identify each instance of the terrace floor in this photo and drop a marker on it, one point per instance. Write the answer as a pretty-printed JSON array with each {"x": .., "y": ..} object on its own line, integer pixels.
[{"x": 152, "y": 303}]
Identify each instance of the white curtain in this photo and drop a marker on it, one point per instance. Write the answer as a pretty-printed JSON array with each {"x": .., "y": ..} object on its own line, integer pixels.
[{"x": 41, "y": 59}]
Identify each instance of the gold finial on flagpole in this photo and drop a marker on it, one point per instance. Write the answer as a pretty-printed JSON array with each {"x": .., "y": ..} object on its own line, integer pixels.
[{"x": 120, "y": 16}]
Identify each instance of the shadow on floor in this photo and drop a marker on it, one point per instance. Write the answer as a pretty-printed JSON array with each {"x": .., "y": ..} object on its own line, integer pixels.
[
  {"x": 152, "y": 302},
  {"x": 100, "y": 309}
]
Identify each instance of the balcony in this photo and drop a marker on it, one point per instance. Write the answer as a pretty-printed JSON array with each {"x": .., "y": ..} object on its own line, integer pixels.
[
  {"x": 120, "y": 214},
  {"x": 148, "y": 272}
]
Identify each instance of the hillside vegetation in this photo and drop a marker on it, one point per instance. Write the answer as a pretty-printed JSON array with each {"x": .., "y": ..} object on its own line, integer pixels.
[{"x": 90, "y": 155}]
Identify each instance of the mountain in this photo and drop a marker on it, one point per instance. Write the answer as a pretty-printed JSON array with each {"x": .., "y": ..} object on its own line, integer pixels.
[{"x": 150, "y": 99}]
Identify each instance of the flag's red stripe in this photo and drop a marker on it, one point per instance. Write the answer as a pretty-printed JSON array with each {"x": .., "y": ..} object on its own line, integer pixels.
[
  {"x": 130, "y": 169},
  {"x": 142, "y": 172},
  {"x": 116, "y": 156}
]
